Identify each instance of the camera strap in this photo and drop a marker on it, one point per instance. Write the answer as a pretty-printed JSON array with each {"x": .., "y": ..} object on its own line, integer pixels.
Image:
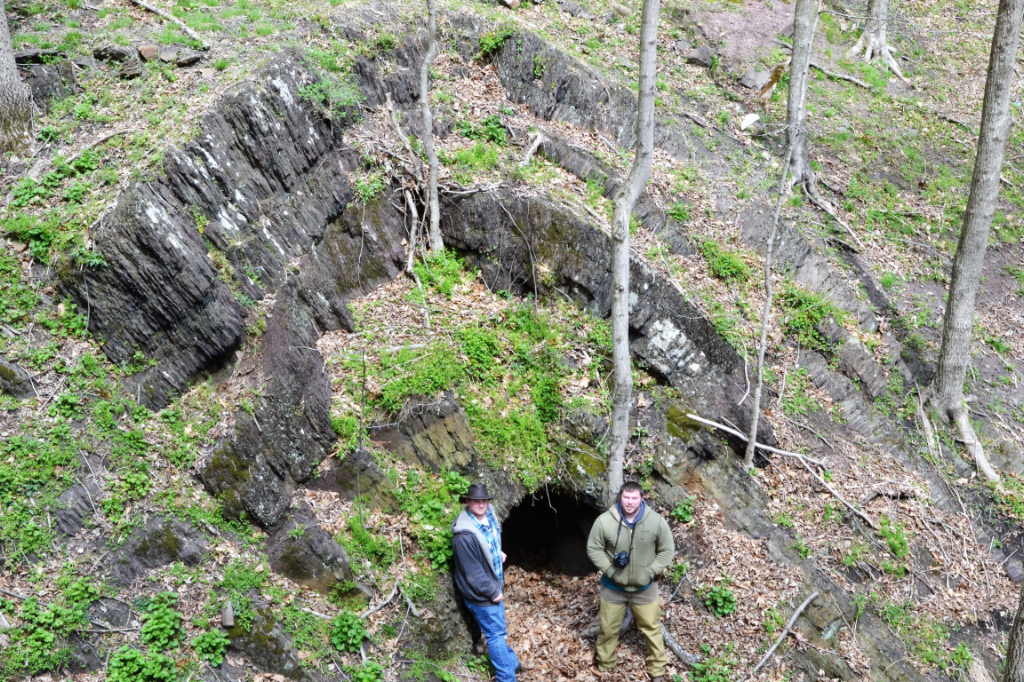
[{"x": 632, "y": 532}]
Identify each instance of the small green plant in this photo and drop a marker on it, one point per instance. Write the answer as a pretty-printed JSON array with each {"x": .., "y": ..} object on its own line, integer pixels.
[
  {"x": 720, "y": 599},
  {"x": 783, "y": 518},
  {"x": 857, "y": 552},
  {"x": 371, "y": 671},
  {"x": 539, "y": 66},
  {"x": 713, "y": 668},
  {"x": 678, "y": 570},
  {"x": 725, "y": 265},
  {"x": 773, "y": 621},
  {"x": 683, "y": 512},
  {"x": 888, "y": 280},
  {"x": 347, "y": 631},
  {"x": 369, "y": 187},
  {"x": 210, "y": 646},
  {"x": 802, "y": 548},
  {"x": 803, "y": 311},
  {"x": 962, "y": 656},
  {"x": 161, "y": 624},
  {"x": 490, "y": 129},
  {"x": 131, "y": 665},
  {"x": 442, "y": 271},
  {"x": 679, "y": 212},
  {"x": 491, "y": 42},
  {"x": 895, "y": 537},
  {"x": 221, "y": 63}
]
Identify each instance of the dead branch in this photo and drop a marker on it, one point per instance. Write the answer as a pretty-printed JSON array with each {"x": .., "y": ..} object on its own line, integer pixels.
[
  {"x": 835, "y": 493},
  {"x": 538, "y": 140},
  {"x": 416, "y": 163},
  {"x": 805, "y": 427},
  {"x": 686, "y": 657},
  {"x": 174, "y": 20},
  {"x": 840, "y": 76},
  {"x": 743, "y": 437},
  {"x": 378, "y": 607},
  {"x": 785, "y": 632}
]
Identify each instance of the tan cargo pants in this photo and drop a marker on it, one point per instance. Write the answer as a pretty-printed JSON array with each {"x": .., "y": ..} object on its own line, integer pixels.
[{"x": 646, "y": 608}]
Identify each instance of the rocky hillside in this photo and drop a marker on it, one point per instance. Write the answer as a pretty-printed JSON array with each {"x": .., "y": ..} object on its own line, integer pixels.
[{"x": 235, "y": 429}]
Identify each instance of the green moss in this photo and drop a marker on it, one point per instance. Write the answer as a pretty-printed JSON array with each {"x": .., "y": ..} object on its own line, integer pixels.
[{"x": 679, "y": 425}]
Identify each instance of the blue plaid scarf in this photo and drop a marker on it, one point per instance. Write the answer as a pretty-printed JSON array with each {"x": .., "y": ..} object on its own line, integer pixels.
[{"x": 490, "y": 532}]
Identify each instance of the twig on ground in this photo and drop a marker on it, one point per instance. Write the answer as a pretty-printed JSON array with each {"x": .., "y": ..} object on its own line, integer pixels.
[
  {"x": 761, "y": 446},
  {"x": 378, "y": 607},
  {"x": 840, "y": 76},
  {"x": 686, "y": 657},
  {"x": 785, "y": 632},
  {"x": 174, "y": 20},
  {"x": 835, "y": 493},
  {"x": 808, "y": 428}
]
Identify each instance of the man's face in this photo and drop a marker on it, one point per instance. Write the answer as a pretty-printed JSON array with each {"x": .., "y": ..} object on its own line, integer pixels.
[
  {"x": 631, "y": 500},
  {"x": 478, "y": 507}
]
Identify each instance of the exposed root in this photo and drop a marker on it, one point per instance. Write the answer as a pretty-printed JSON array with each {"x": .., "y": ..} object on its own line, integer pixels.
[
  {"x": 872, "y": 47},
  {"x": 811, "y": 190},
  {"x": 973, "y": 445}
]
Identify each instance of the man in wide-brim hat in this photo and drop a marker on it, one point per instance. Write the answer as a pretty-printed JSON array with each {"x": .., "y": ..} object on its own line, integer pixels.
[{"x": 479, "y": 576}]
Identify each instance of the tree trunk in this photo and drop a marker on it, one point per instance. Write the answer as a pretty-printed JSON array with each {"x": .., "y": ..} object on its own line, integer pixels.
[
  {"x": 427, "y": 134},
  {"x": 15, "y": 97},
  {"x": 970, "y": 253},
  {"x": 805, "y": 20},
  {"x": 748, "y": 456},
  {"x": 1015, "y": 648},
  {"x": 873, "y": 41},
  {"x": 625, "y": 199}
]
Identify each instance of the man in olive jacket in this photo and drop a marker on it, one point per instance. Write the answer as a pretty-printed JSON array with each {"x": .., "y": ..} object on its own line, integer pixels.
[{"x": 630, "y": 544}]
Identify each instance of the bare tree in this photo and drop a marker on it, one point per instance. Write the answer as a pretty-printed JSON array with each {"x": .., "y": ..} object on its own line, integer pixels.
[
  {"x": 873, "y": 42},
  {"x": 805, "y": 21},
  {"x": 427, "y": 135},
  {"x": 15, "y": 97},
  {"x": 1015, "y": 647},
  {"x": 970, "y": 252},
  {"x": 624, "y": 201},
  {"x": 748, "y": 456}
]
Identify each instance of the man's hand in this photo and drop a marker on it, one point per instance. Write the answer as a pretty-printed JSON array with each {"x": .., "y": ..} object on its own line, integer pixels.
[
  {"x": 503, "y": 557},
  {"x": 500, "y": 598}
]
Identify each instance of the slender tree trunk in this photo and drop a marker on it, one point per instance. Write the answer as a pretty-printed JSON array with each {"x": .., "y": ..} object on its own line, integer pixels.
[
  {"x": 1015, "y": 648},
  {"x": 805, "y": 21},
  {"x": 625, "y": 199},
  {"x": 873, "y": 42},
  {"x": 748, "y": 456},
  {"x": 981, "y": 204},
  {"x": 434, "y": 231},
  {"x": 15, "y": 97}
]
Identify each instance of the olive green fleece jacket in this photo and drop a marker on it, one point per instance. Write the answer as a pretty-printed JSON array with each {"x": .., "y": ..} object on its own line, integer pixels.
[{"x": 653, "y": 548}]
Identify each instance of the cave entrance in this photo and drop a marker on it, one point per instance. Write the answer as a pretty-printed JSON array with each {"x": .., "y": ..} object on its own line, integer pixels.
[{"x": 548, "y": 532}]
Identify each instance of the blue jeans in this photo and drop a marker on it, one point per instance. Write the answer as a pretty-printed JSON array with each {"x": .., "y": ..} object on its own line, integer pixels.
[{"x": 491, "y": 620}]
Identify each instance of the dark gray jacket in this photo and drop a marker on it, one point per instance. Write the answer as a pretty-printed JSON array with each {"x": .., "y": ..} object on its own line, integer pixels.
[{"x": 475, "y": 578}]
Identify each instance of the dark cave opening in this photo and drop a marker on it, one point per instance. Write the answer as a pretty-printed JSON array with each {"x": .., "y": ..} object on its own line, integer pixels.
[{"x": 548, "y": 532}]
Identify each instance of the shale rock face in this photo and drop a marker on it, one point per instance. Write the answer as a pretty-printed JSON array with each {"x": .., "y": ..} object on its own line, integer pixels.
[
  {"x": 14, "y": 380},
  {"x": 306, "y": 553},
  {"x": 158, "y": 543},
  {"x": 279, "y": 445},
  {"x": 254, "y": 191},
  {"x": 510, "y": 239},
  {"x": 435, "y": 435}
]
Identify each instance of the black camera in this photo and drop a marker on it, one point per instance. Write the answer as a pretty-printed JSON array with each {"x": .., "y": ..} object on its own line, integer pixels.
[{"x": 621, "y": 559}]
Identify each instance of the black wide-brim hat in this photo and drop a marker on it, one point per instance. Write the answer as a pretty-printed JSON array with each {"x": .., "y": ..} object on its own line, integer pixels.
[{"x": 477, "y": 491}]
